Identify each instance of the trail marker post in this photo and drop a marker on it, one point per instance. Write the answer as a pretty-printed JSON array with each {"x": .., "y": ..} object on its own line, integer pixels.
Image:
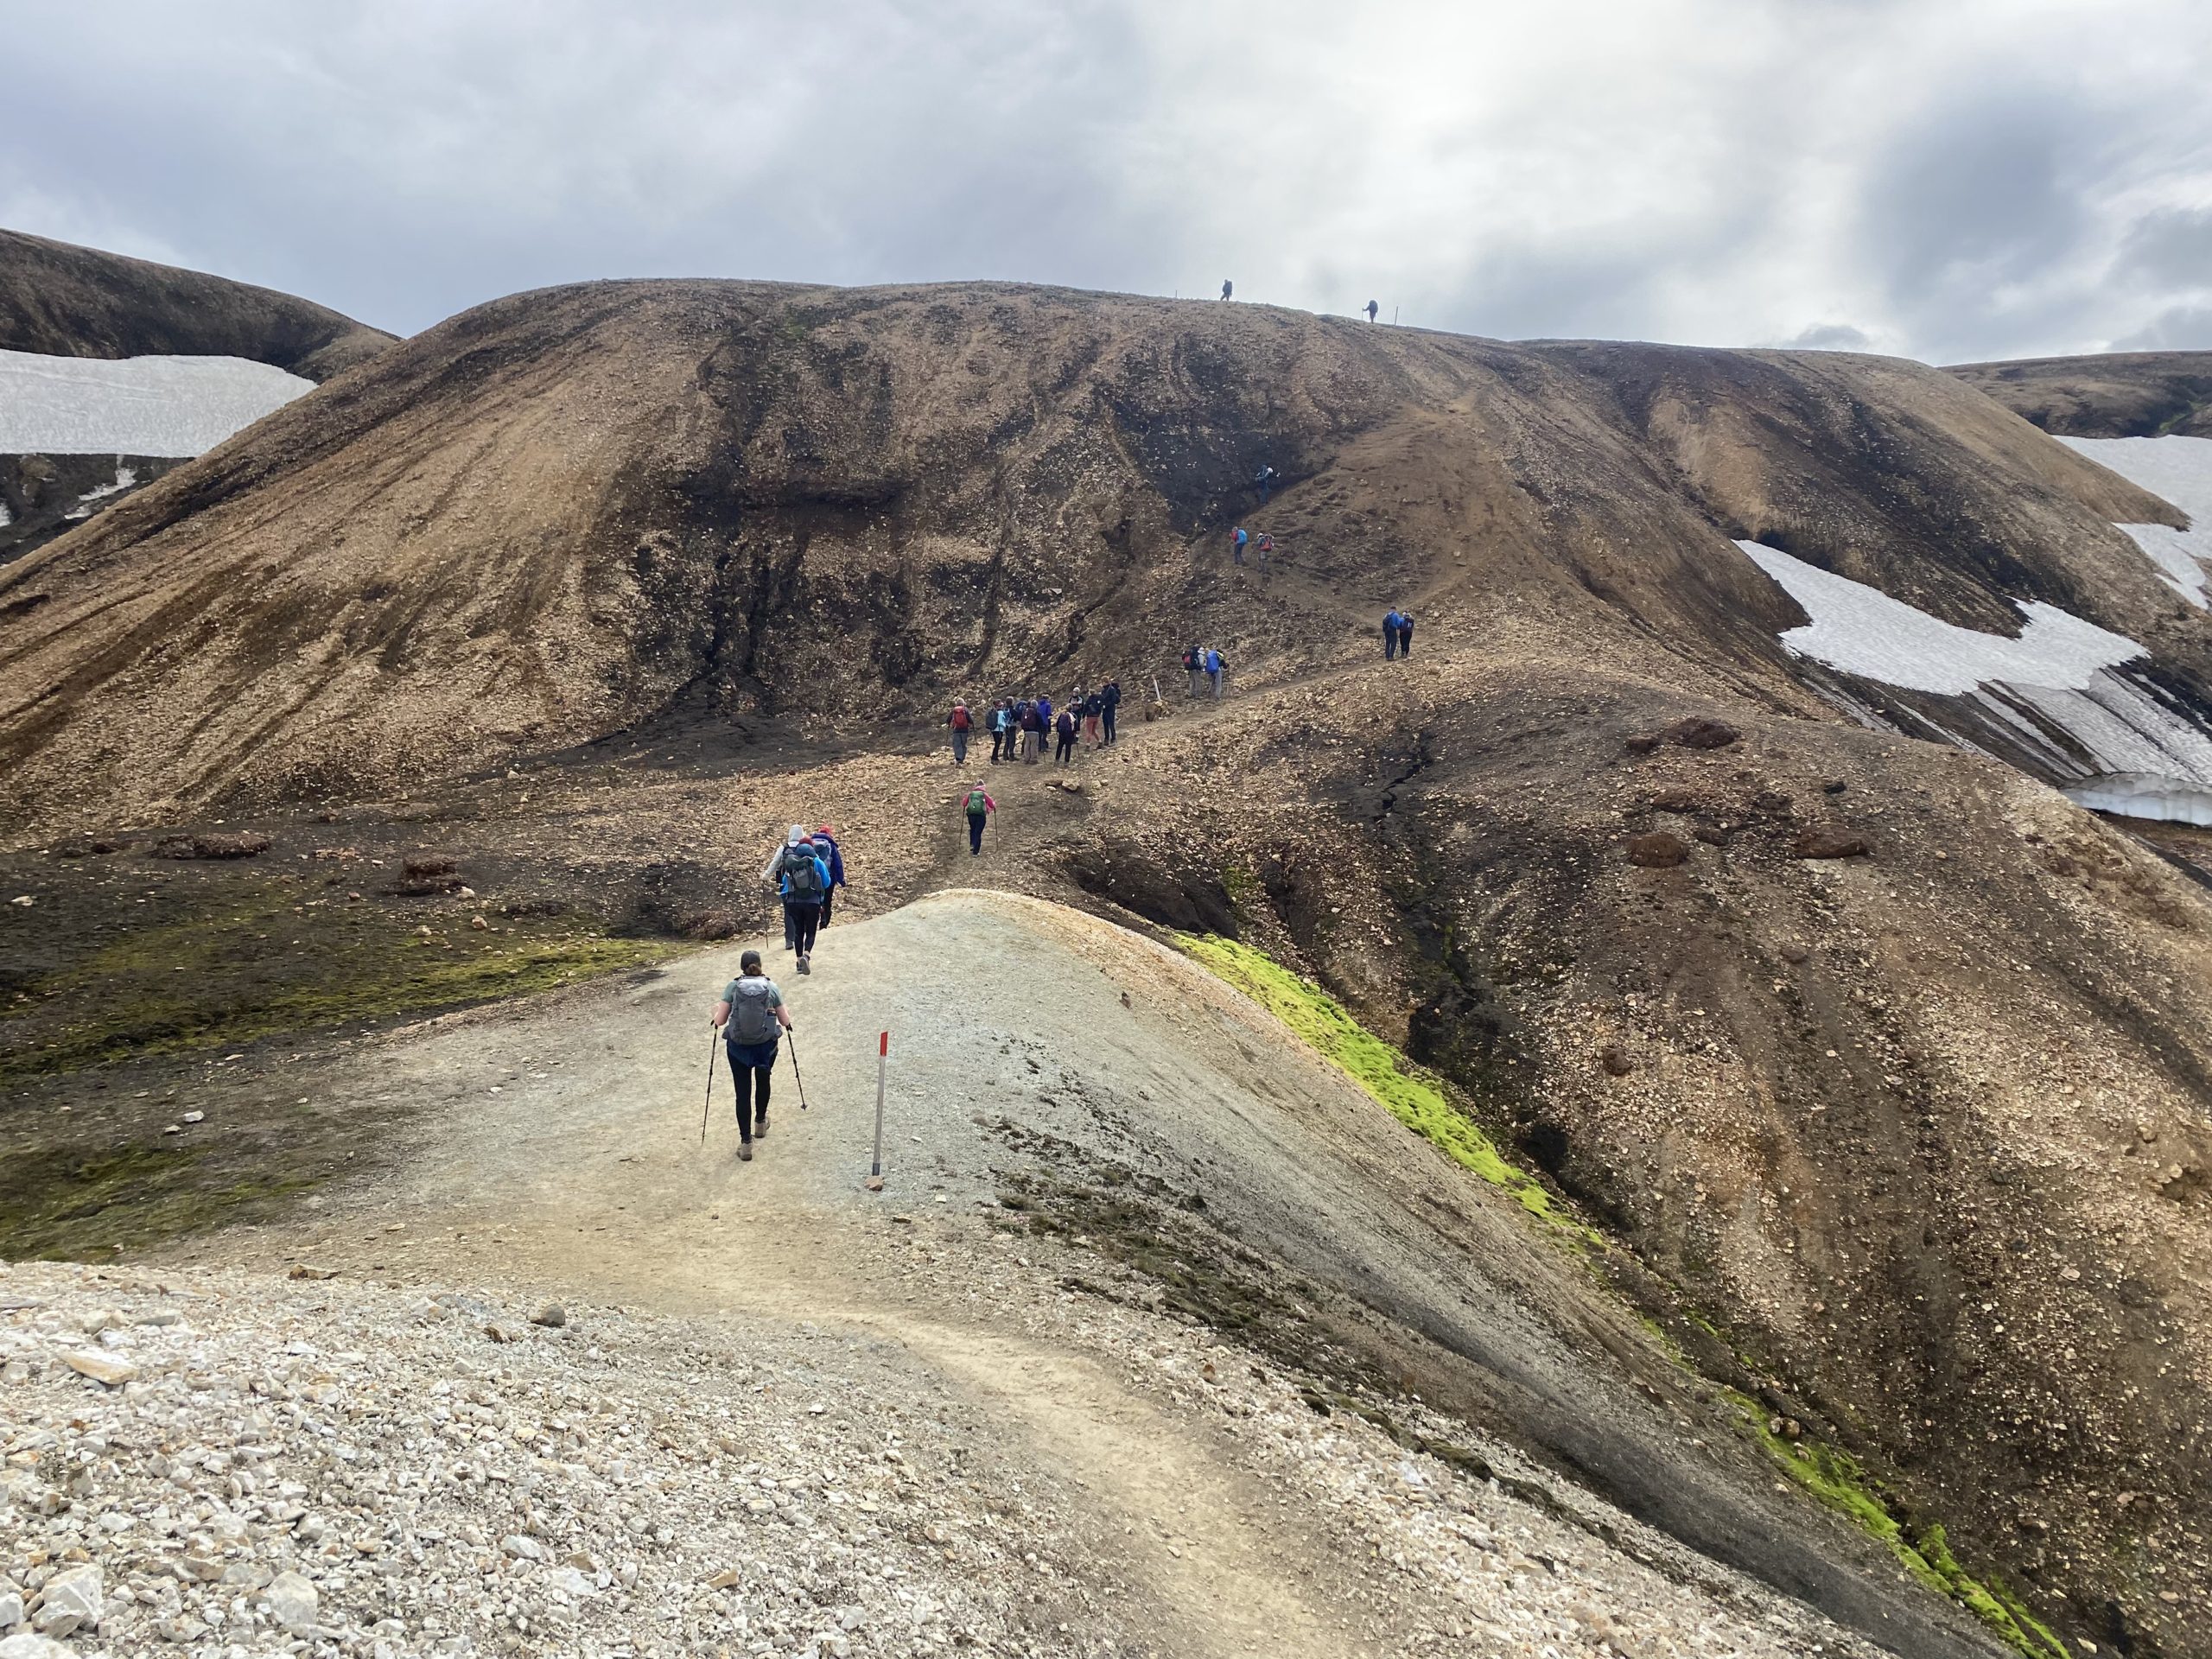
[{"x": 882, "y": 1060}]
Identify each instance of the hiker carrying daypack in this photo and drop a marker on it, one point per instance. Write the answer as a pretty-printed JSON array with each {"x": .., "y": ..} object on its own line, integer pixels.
[
  {"x": 980, "y": 806},
  {"x": 1236, "y": 540},
  {"x": 752, "y": 1019},
  {"x": 805, "y": 880},
  {"x": 1391, "y": 622},
  {"x": 1213, "y": 670},
  {"x": 962, "y": 723},
  {"x": 1194, "y": 665}
]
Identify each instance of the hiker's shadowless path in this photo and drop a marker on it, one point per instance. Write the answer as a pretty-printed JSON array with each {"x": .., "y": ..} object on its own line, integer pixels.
[{"x": 1037, "y": 1050}]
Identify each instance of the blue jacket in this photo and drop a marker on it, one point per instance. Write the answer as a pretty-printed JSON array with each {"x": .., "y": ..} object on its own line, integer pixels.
[
  {"x": 1213, "y": 662},
  {"x": 836, "y": 858},
  {"x": 1391, "y": 621}
]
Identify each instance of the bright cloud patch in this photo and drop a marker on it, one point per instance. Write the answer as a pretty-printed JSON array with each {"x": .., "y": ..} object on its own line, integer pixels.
[
  {"x": 1861, "y": 630},
  {"x": 2180, "y": 471},
  {"x": 160, "y": 406}
]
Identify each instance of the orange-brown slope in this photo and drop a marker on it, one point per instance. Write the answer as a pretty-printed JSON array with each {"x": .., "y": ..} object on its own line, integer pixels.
[{"x": 556, "y": 515}]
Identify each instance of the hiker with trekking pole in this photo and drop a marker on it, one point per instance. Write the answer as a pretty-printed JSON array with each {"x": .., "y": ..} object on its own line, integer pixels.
[
  {"x": 803, "y": 879},
  {"x": 751, "y": 1019}
]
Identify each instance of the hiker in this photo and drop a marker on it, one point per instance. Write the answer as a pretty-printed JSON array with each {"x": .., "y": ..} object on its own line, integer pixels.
[
  {"x": 960, "y": 720},
  {"x": 1215, "y": 671},
  {"x": 1236, "y": 540},
  {"x": 1093, "y": 709},
  {"x": 752, "y": 1019},
  {"x": 775, "y": 871},
  {"x": 1044, "y": 721},
  {"x": 803, "y": 878},
  {"x": 997, "y": 723},
  {"x": 1109, "y": 699},
  {"x": 1194, "y": 664},
  {"x": 1265, "y": 547},
  {"x": 1371, "y": 310},
  {"x": 833, "y": 860},
  {"x": 1391, "y": 622},
  {"x": 1405, "y": 633},
  {"x": 1227, "y": 287},
  {"x": 1264, "y": 480},
  {"x": 1032, "y": 732},
  {"x": 979, "y": 806}
]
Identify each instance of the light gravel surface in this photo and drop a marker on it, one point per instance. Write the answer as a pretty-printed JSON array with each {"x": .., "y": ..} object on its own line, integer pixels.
[{"x": 328, "y": 1466}]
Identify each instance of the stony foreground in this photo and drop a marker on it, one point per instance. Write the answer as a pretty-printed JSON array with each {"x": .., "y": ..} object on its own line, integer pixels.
[{"x": 224, "y": 1464}]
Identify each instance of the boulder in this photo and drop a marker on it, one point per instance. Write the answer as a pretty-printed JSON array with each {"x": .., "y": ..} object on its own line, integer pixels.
[
  {"x": 1698, "y": 733},
  {"x": 1829, "y": 843},
  {"x": 27, "y": 1645},
  {"x": 210, "y": 846},
  {"x": 1657, "y": 851}
]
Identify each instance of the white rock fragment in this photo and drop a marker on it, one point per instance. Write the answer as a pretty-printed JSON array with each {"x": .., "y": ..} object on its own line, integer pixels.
[
  {"x": 72, "y": 1600},
  {"x": 101, "y": 1367},
  {"x": 293, "y": 1602}
]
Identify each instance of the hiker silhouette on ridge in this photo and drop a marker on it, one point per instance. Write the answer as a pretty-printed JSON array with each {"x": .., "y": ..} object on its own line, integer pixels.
[{"x": 1227, "y": 287}]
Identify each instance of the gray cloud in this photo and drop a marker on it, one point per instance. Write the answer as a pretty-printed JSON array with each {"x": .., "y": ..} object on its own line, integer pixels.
[{"x": 1715, "y": 171}]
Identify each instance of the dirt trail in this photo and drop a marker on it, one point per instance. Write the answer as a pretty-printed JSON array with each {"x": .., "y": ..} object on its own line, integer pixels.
[{"x": 1032, "y": 1042}]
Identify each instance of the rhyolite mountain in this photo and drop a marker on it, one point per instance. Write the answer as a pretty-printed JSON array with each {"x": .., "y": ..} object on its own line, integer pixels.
[{"x": 1889, "y": 1065}]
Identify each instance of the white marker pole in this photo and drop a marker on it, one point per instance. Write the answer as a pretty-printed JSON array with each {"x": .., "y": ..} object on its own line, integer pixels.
[{"x": 882, "y": 1060}]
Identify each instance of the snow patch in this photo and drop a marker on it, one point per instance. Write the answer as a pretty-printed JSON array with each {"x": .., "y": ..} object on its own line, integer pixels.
[
  {"x": 163, "y": 406},
  {"x": 2111, "y": 741},
  {"x": 1861, "y": 630},
  {"x": 2180, "y": 471}
]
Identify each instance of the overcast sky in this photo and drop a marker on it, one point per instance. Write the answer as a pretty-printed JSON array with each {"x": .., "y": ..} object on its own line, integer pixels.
[{"x": 1949, "y": 179}]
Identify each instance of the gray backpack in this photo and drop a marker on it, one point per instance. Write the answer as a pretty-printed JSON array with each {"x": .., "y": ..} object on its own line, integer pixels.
[{"x": 752, "y": 1019}]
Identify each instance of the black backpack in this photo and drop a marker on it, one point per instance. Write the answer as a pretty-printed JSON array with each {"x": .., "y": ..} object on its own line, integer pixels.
[{"x": 802, "y": 875}]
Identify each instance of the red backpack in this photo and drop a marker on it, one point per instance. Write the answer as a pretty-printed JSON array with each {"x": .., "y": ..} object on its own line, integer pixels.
[{"x": 960, "y": 720}]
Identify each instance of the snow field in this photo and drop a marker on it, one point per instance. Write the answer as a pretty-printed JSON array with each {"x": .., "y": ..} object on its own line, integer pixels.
[{"x": 161, "y": 406}]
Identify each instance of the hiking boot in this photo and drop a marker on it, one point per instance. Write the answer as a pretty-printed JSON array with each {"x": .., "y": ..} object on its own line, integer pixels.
[
  {"x": 760, "y": 1129},
  {"x": 745, "y": 1152},
  {"x": 805, "y": 964}
]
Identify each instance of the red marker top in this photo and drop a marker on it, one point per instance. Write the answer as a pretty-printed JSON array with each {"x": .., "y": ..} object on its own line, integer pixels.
[{"x": 883, "y": 1044}]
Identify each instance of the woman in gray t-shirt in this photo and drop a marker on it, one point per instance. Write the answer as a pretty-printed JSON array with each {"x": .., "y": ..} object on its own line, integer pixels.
[{"x": 752, "y": 1019}]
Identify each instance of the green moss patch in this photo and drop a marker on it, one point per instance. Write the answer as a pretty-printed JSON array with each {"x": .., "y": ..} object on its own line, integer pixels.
[
  {"x": 1836, "y": 1480},
  {"x": 56, "y": 1206},
  {"x": 260, "y": 962},
  {"x": 1412, "y": 1094}
]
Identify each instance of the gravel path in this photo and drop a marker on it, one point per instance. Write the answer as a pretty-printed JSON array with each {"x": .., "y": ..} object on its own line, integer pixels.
[{"x": 781, "y": 1413}]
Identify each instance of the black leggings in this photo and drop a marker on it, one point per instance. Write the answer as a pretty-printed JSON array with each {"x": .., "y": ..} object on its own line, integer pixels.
[
  {"x": 804, "y": 921},
  {"x": 1066, "y": 748},
  {"x": 757, "y": 1077}
]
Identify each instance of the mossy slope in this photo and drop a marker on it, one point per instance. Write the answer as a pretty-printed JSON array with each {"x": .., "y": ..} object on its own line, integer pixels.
[{"x": 1412, "y": 1095}]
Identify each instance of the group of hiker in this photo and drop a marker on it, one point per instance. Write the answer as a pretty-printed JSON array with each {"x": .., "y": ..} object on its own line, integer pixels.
[
  {"x": 1397, "y": 634},
  {"x": 1263, "y": 546},
  {"x": 1020, "y": 726},
  {"x": 1207, "y": 668},
  {"x": 807, "y": 869}
]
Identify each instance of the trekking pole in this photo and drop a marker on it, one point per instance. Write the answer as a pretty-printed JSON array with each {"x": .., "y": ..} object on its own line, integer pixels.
[
  {"x": 882, "y": 1060},
  {"x": 713, "y": 1036},
  {"x": 797, "y": 1076}
]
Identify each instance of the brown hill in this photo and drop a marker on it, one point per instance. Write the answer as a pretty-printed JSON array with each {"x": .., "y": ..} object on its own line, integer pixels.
[
  {"x": 2119, "y": 395},
  {"x": 1886, "y": 1063},
  {"x": 64, "y": 300}
]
